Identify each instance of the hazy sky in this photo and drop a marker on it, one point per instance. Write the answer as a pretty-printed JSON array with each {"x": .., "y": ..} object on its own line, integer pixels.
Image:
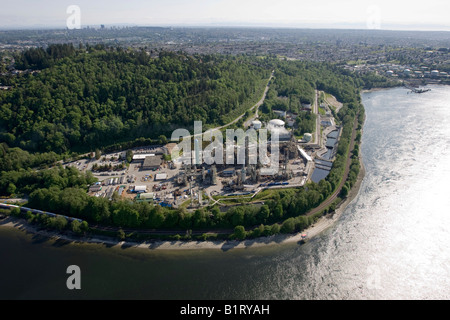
[{"x": 384, "y": 14}]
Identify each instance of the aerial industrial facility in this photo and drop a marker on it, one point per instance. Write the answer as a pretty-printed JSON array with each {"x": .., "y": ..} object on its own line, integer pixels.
[{"x": 154, "y": 176}]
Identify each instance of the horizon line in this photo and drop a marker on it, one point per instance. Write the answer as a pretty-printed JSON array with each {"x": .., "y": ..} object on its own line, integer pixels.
[{"x": 318, "y": 26}]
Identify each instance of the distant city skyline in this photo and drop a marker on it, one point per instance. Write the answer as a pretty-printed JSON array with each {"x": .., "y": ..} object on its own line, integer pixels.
[{"x": 351, "y": 14}]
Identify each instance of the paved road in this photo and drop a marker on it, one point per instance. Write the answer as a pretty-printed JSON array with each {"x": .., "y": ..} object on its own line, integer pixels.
[{"x": 13, "y": 200}]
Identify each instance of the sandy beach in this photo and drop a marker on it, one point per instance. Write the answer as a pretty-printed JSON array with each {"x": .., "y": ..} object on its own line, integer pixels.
[{"x": 321, "y": 225}]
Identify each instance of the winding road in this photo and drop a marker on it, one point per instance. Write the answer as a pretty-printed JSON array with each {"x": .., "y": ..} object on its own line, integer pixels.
[{"x": 257, "y": 105}]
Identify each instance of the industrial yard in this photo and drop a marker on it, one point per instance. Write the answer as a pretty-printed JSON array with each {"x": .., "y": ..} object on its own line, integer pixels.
[{"x": 152, "y": 176}]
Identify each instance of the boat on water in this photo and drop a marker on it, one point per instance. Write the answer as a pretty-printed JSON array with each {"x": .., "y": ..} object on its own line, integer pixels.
[
  {"x": 420, "y": 90},
  {"x": 416, "y": 89}
]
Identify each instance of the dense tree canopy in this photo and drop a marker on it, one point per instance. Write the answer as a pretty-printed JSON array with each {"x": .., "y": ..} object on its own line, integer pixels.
[{"x": 103, "y": 95}]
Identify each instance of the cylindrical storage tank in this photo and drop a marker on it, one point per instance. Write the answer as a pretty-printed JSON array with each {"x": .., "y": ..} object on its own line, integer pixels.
[
  {"x": 257, "y": 124},
  {"x": 276, "y": 123},
  {"x": 307, "y": 137}
]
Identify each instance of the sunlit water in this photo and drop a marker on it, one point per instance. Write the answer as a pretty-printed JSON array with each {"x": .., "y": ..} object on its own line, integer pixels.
[{"x": 392, "y": 241}]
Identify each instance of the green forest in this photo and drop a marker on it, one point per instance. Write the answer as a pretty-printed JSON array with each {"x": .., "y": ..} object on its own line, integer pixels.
[{"x": 91, "y": 97}]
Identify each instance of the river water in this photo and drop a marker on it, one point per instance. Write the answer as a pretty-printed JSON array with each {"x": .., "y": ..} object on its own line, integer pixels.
[{"x": 391, "y": 242}]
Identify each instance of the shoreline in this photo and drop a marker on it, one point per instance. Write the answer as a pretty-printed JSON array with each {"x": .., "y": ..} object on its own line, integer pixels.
[
  {"x": 322, "y": 224},
  {"x": 402, "y": 86}
]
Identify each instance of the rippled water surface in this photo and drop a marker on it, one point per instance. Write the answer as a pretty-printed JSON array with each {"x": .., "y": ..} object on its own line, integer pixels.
[{"x": 392, "y": 241}]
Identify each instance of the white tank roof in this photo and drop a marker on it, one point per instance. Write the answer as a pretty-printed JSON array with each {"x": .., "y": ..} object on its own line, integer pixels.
[{"x": 276, "y": 122}]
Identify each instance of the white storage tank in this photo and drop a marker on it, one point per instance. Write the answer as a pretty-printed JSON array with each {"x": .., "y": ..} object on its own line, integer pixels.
[
  {"x": 307, "y": 137},
  {"x": 277, "y": 123},
  {"x": 435, "y": 73},
  {"x": 257, "y": 124}
]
